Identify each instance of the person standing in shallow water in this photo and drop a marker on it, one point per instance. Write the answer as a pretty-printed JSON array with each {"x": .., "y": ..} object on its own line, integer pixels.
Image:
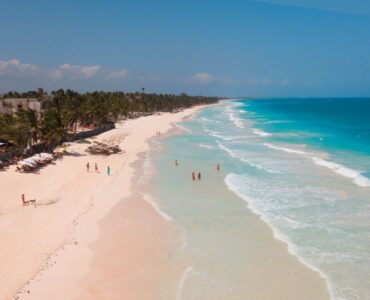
[
  {"x": 176, "y": 163},
  {"x": 193, "y": 176},
  {"x": 199, "y": 176},
  {"x": 108, "y": 171},
  {"x": 218, "y": 167}
]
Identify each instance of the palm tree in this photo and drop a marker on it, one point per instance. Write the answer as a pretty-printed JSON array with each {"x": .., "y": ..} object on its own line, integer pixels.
[
  {"x": 64, "y": 110},
  {"x": 15, "y": 132}
]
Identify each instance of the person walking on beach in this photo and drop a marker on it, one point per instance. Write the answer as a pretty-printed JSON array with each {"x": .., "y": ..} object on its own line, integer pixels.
[
  {"x": 218, "y": 167},
  {"x": 193, "y": 176},
  {"x": 88, "y": 167},
  {"x": 199, "y": 176},
  {"x": 108, "y": 171},
  {"x": 96, "y": 168}
]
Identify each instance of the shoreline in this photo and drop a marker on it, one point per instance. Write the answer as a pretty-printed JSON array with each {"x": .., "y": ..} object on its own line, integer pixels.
[
  {"x": 61, "y": 231},
  {"x": 281, "y": 238},
  {"x": 298, "y": 278},
  {"x": 85, "y": 258}
]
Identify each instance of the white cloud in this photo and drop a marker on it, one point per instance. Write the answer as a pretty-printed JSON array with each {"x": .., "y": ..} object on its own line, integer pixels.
[
  {"x": 15, "y": 67},
  {"x": 85, "y": 72},
  {"x": 55, "y": 74},
  {"x": 203, "y": 78},
  {"x": 90, "y": 71},
  {"x": 74, "y": 71},
  {"x": 117, "y": 74}
]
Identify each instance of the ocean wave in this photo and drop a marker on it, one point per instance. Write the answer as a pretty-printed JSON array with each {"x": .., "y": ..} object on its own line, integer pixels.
[
  {"x": 186, "y": 273},
  {"x": 197, "y": 283},
  {"x": 206, "y": 146},
  {"x": 183, "y": 128},
  {"x": 148, "y": 167},
  {"x": 288, "y": 150},
  {"x": 148, "y": 198},
  {"x": 277, "y": 121},
  {"x": 233, "y": 118},
  {"x": 239, "y": 156},
  {"x": 208, "y": 120},
  {"x": 155, "y": 142},
  {"x": 261, "y": 132},
  {"x": 259, "y": 167},
  {"x": 235, "y": 184},
  {"x": 355, "y": 175},
  {"x": 218, "y": 135}
]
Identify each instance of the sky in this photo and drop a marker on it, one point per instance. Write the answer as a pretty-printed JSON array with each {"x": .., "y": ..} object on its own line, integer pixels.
[{"x": 235, "y": 48}]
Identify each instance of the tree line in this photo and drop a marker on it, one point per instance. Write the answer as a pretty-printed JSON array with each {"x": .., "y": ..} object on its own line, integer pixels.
[{"x": 64, "y": 110}]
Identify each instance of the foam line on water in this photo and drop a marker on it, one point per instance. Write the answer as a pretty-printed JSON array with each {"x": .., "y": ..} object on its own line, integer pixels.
[
  {"x": 260, "y": 167},
  {"x": 260, "y": 132},
  {"x": 235, "y": 155},
  {"x": 186, "y": 273},
  {"x": 232, "y": 185},
  {"x": 285, "y": 149},
  {"x": 205, "y": 146},
  {"x": 148, "y": 198},
  {"x": 356, "y": 176},
  {"x": 218, "y": 135},
  {"x": 183, "y": 128},
  {"x": 233, "y": 118},
  {"x": 208, "y": 120}
]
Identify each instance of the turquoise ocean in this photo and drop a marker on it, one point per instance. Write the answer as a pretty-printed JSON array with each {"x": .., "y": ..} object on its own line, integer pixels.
[{"x": 301, "y": 165}]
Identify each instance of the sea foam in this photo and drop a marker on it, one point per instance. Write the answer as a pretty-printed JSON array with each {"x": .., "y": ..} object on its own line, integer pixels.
[
  {"x": 205, "y": 146},
  {"x": 355, "y": 175},
  {"x": 156, "y": 207},
  {"x": 239, "y": 155},
  {"x": 261, "y": 132},
  {"x": 288, "y": 150},
  {"x": 218, "y": 135},
  {"x": 234, "y": 118},
  {"x": 235, "y": 184}
]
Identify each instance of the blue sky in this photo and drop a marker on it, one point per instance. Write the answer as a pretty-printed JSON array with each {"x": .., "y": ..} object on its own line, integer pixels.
[{"x": 227, "y": 48}]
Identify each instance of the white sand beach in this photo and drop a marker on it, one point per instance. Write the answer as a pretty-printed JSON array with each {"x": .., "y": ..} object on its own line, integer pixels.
[{"x": 69, "y": 204}]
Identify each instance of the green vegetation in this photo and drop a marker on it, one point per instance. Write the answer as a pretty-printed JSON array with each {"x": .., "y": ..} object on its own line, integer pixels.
[{"x": 64, "y": 110}]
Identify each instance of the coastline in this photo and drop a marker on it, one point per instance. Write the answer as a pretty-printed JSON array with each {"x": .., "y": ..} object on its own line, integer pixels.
[
  {"x": 44, "y": 241},
  {"x": 97, "y": 261},
  {"x": 232, "y": 252}
]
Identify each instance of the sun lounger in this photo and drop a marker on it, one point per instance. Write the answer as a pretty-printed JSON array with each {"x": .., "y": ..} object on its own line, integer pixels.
[{"x": 27, "y": 165}]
